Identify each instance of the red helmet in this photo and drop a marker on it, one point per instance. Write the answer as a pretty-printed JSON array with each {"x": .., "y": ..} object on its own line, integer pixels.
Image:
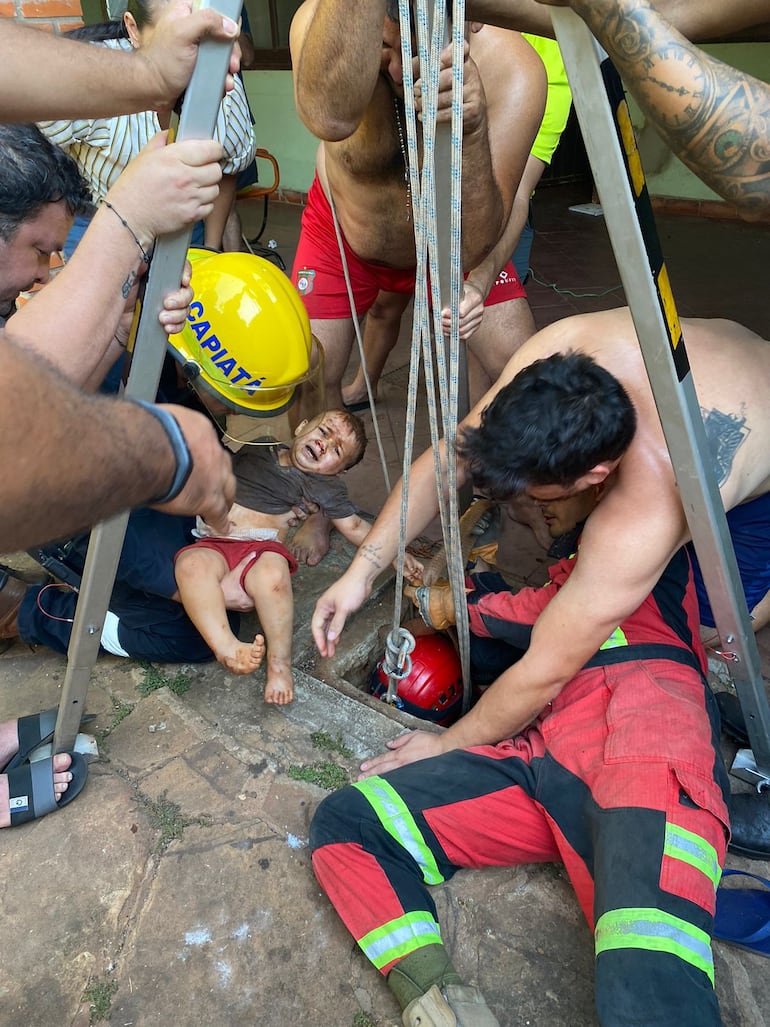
[{"x": 434, "y": 688}]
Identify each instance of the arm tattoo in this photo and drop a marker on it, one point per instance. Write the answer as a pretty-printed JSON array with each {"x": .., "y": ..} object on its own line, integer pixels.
[
  {"x": 128, "y": 284},
  {"x": 725, "y": 433},
  {"x": 715, "y": 118},
  {"x": 371, "y": 554}
]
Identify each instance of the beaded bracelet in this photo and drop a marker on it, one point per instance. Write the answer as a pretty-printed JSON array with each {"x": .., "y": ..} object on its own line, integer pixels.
[
  {"x": 122, "y": 220},
  {"x": 182, "y": 454}
]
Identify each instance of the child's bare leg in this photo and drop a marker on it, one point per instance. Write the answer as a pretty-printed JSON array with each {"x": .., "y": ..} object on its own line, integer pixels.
[
  {"x": 199, "y": 575},
  {"x": 269, "y": 584}
]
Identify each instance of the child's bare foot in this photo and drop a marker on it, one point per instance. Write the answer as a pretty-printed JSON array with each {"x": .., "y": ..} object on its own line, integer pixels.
[
  {"x": 280, "y": 682},
  {"x": 245, "y": 658}
]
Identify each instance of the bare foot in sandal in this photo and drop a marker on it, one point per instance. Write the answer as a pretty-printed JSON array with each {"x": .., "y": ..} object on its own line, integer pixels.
[{"x": 61, "y": 781}]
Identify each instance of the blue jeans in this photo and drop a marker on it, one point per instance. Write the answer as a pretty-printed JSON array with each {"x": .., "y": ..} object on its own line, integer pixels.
[
  {"x": 81, "y": 223},
  {"x": 150, "y": 625},
  {"x": 521, "y": 254}
]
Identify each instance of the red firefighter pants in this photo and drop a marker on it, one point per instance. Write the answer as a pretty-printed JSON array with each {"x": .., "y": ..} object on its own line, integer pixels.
[{"x": 622, "y": 782}]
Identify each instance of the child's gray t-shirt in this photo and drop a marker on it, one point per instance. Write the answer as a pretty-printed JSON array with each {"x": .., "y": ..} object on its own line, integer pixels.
[{"x": 263, "y": 484}]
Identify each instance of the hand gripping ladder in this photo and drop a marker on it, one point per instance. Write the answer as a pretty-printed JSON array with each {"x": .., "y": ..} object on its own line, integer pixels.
[{"x": 198, "y": 118}]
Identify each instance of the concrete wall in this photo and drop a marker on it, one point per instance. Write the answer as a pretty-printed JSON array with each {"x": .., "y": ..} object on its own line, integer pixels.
[{"x": 279, "y": 129}]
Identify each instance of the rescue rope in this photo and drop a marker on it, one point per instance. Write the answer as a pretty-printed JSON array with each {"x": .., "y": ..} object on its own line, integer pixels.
[
  {"x": 359, "y": 339},
  {"x": 428, "y": 342},
  {"x": 445, "y": 371}
]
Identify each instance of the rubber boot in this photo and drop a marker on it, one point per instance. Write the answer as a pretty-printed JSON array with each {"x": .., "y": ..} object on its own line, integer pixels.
[
  {"x": 731, "y": 714},
  {"x": 456, "y": 1005},
  {"x": 750, "y": 825}
]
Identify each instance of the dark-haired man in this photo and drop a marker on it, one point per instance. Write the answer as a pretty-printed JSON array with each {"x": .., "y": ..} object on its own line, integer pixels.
[
  {"x": 574, "y": 409},
  {"x": 100, "y": 456},
  {"x": 641, "y": 514},
  {"x": 41, "y": 190}
]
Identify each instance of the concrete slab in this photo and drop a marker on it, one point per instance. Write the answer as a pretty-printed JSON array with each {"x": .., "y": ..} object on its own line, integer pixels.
[{"x": 181, "y": 877}]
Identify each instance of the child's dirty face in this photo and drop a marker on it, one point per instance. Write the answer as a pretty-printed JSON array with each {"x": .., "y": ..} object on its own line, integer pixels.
[{"x": 325, "y": 445}]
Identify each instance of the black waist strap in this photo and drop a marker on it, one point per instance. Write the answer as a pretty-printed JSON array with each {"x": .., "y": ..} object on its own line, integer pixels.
[{"x": 648, "y": 651}]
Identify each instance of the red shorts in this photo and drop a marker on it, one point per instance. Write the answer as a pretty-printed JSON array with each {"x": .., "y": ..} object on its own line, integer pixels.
[
  {"x": 318, "y": 273},
  {"x": 235, "y": 549}
]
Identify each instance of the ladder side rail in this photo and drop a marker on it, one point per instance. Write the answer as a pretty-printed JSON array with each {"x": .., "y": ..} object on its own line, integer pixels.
[{"x": 198, "y": 118}]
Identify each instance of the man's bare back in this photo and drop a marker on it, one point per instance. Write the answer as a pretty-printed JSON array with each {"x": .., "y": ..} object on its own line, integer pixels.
[{"x": 731, "y": 373}]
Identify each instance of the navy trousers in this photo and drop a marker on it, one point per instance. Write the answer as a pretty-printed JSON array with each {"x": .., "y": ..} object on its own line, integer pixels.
[{"x": 151, "y": 626}]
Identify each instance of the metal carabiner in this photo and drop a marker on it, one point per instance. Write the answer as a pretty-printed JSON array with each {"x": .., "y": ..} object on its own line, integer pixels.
[{"x": 397, "y": 663}]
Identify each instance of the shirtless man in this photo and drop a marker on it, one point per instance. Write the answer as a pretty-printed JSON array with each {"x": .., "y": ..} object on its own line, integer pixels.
[
  {"x": 351, "y": 97},
  {"x": 348, "y": 82},
  {"x": 640, "y": 516}
]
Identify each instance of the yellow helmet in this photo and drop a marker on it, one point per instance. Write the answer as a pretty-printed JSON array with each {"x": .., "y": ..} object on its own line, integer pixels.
[{"x": 247, "y": 337}]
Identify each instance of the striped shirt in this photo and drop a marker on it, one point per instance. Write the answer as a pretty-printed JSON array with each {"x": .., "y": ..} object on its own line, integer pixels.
[{"x": 102, "y": 147}]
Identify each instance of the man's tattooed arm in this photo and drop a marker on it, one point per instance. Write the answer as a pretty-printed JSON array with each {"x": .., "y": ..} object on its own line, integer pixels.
[
  {"x": 372, "y": 554},
  {"x": 716, "y": 119},
  {"x": 128, "y": 284}
]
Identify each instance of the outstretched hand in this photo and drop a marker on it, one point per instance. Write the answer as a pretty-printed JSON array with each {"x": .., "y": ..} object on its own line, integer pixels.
[
  {"x": 408, "y": 748},
  {"x": 332, "y": 609}
]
